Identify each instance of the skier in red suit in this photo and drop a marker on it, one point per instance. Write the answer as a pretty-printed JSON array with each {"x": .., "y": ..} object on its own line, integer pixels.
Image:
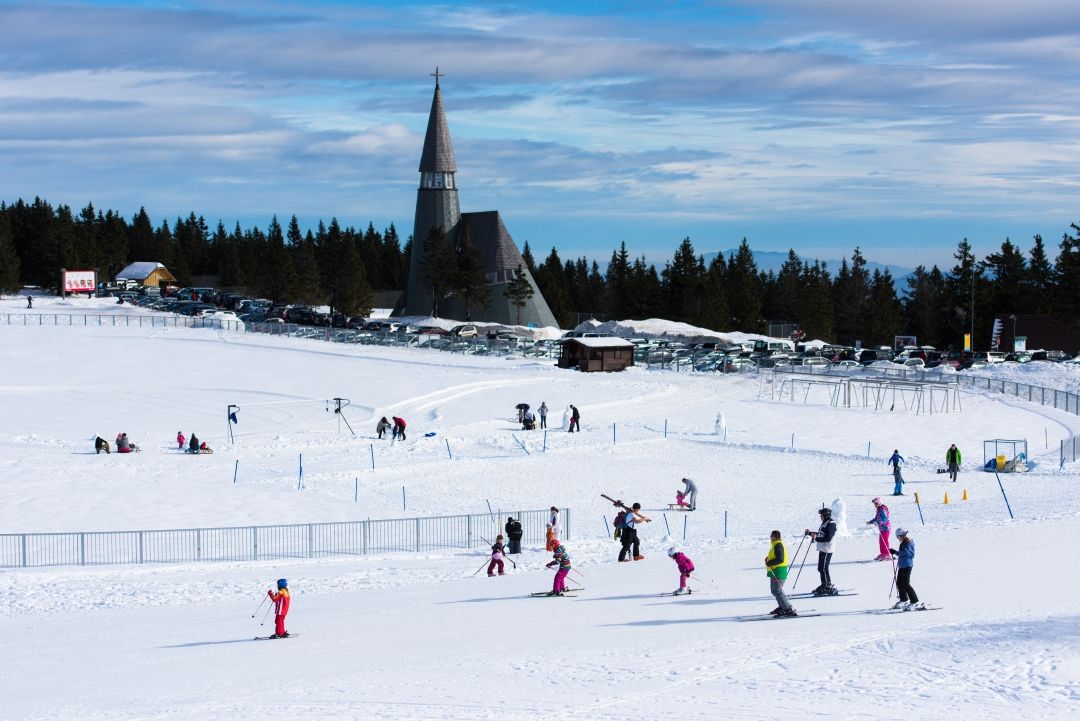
[{"x": 280, "y": 598}]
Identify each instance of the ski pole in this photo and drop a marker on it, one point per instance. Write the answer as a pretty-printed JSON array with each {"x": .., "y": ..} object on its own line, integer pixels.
[
  {"x": 578, "y": 572},
  {"x": 481, "y": 567},
  {"x": 699, "y": 578},
  {"x": 796, "y": 556},
  {"x": 265, "y": 615},
  {"x": 893, "y": 584},
  {"x": 801, "y": 565},
  {"x": 259, "y": 607}
]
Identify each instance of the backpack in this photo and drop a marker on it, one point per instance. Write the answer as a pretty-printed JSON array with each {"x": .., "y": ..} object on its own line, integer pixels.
[{"x": 620, "y": 519}]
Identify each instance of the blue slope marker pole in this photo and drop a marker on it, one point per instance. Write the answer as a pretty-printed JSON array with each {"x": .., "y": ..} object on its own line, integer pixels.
[{"x": 235, "y": 469}]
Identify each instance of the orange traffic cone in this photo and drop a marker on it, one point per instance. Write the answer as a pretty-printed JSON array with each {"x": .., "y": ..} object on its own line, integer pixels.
[{"x": 946, "y": 498}]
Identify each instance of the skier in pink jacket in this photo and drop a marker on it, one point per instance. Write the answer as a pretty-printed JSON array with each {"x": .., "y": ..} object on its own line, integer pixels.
[
  {"x": 881, "y": 520},
  {"x": 686, "y": 567}
]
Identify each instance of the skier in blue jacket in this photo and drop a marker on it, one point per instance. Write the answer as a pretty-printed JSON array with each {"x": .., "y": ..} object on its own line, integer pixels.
[
  {"x": 896, "y": 459},
  {"x": 905, "y": 562}
]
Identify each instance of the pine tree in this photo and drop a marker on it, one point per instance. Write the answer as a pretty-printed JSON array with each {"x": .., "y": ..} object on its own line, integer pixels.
[
  {"x": 717, "y": 314},
  {"x": 617, "y": 281},
  {"x": 9, "y": 259},
  {"x": 922, "y": 303},
  {"x": 884, "y": 314},
  {"x": 1067, "y": 275},
  {"x": 437, "y": 266},
  {"x": 519, "y": 291},
  {"x": 851, "y": 294},
  {"x": 787, "y": 290},
  {"x": 1009, "y": 275},
  {"x": 744, "y": 290},
  {"x": 469, "y": 281},
  {"x": 277, "y": 277},
  {"x": 682, "y": 285},
  {"x": 354, "y": 296},
  {"x": 1039, "y": 285},
  {"x": 527, "y": 256},
  {"x": 551, "y": 280},
  {"x": 966, "y": 289},
  {"x": 816, "y": 314}
]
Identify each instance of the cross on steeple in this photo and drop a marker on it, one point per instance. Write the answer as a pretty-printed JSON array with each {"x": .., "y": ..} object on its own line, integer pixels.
[{"x": 437, "y": 75}]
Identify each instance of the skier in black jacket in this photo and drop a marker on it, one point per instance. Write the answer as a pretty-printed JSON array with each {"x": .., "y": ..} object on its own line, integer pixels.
[
  {"x": 824, "y": 538},
  {"x": 513, "y": 533}
]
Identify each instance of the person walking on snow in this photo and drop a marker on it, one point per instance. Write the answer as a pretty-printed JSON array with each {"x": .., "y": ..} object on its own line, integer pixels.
[
  {"x": 824, "y": 537},
  {"x": 513, "y": 532},
  {"x": 629, "y": 534},
  {"x": 881, "y": 520},
  {"x": 575, "y": 419},
  {"x": 691, "y": 489},
  {"x": 280, "y": 598},
  {"x": 180, "y": 440},
  {"x": 953, "y": 459},
  {"x": 497, "y": 551},
  {"x": 562, "y": 558},
  {"x": 776, "y": 568},
  {"x": 542, "y": 410},
  {"x": 382, "y": 427},
  {"x": 686, "y": 567},
  {"x": 905, "y": 562},
  {"x": 399, "y": 428},
  {"x": 896, "y": 459},
  {"x": 29, "y": 301}
]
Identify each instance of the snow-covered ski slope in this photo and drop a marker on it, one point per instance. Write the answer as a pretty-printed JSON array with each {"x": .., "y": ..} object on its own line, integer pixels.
[{"x": 416, "y": 636}]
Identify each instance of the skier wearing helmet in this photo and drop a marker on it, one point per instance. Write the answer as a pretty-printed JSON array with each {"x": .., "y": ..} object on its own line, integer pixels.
[
  {"x": 881, "y": 520},
  {"x": 824, "y": 537},
  {"x": 281, "y": 598},
  {"x": 906, "y": 561},
  {"x": 686, "y": 567}
]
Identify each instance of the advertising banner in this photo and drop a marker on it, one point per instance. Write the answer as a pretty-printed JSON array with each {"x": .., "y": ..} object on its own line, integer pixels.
[{"x": 80, "y": 281}]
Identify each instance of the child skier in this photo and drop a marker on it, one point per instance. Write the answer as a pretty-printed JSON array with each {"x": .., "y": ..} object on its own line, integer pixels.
[
  {"x": 686, "y": 567},
  {"x": 562, "y": 558},
  {"x": 905, "y": 562},
  {"x": 896, "y": 459},
  {"x": 881, "y": 520},
  {"x": 281, "y": 598},
  {"x": 497, "y": 551},
  {"x": 180, "y": 440}
]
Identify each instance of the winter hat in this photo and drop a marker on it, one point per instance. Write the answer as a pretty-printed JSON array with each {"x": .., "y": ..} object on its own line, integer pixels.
[
  {"x": 901, "y": 533},
  {"x": 282, "y": 583},
  {"x": 876, "y": 501},
  {"x": 825, "y": 513},
  {"x": 672, "y": 551}
]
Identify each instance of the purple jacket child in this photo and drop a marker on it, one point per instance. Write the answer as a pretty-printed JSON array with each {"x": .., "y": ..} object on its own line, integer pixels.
[{"x": 881, "y": 520}]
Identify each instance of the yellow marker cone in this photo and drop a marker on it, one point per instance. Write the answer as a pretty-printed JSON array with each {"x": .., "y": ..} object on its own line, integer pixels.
[
  {"x": 965, "y": 495},
  {"x": 916, "y": 497},
  {"x": 946, "y": 498}
]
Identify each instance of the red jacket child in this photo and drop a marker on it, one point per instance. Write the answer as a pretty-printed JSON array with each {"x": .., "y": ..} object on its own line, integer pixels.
[
  {"x": 180, "y": 440},
  {"x": 281, "y": 599}
]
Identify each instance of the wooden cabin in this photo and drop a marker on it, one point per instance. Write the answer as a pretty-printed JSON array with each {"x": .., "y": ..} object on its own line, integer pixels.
[{"x": 596, "y": 354}]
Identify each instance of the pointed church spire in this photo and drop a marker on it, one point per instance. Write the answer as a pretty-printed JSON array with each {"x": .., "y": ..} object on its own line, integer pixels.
[{"x": 438, "y": 155}]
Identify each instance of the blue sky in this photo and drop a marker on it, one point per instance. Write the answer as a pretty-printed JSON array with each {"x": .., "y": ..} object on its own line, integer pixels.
[{"x": 817, "y": 125}]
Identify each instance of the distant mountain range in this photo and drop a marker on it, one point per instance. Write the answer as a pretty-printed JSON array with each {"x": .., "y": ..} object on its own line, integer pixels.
[{"x": 773, "y": 260}]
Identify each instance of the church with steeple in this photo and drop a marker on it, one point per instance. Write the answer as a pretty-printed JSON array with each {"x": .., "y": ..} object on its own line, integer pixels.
[{"x": 437, "y": 206}]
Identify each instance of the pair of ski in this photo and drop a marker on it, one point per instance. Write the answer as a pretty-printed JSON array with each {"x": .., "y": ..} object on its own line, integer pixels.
[
  {"x": 568, "y": 592},
  {"x": 811, "y": 613},
  {"x": 810, "y": 594},
  {"x": 274, "y": 638}
]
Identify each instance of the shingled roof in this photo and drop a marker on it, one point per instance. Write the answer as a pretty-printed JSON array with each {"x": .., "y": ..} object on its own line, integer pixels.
[
  {"x": 485, "y": 230},
  {"x": 438, "y": 155}
]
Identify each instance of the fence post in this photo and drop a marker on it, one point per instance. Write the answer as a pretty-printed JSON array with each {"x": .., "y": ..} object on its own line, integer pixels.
[
  {"x": 22, "y": 551},
  {"x": 356, "y": 489},
  {"x": 725, "y": 524},
  {"x": 372, "y": 447},
  {"x": 140, "y": 556},
  {"x": 868, "y": 450},
  {"x": 82, "y": 549},
  {"x": 685, "y": 520},
  {"x": 236, "y": 468},
  {"x": 310, "y": 541},
  {"x": 418, "y": 535},
  {"x": 612, "y": 434},
  {"x": 667, "y": 525},
  {"x": 606, "y": 526},
  {"x": 468, "y": 531},
  {"x": 447, "y": 440},
  {"x": 1003, "y": 494},
  {"x": 544, "y": 450},
  {"x": 792, "y": 441},
  {"x": 665, "y": 428},
  {"x": 403, "y": 498},
  {"x": 254, "y": 543}
]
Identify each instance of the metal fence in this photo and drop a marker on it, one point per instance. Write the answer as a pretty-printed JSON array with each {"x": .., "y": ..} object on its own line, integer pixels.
[
  {"x": 170, "y": 320},
  {"x": 260, "y": 543},
  {"x": 1070, "y": 450}
]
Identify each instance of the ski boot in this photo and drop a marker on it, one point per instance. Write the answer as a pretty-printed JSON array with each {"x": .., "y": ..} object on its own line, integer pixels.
[
  {"x": 830, "y": 590},
  {"x": 776, "y": 612},
  {"x": 918, "y": 606},
  {"x": 679, "y": 592},
  {"x": 555, "y": 593},
  {"x": 819, "y": 591},
  {"x": 639, "y": 558},
  {"x": 790, "y": 612}
]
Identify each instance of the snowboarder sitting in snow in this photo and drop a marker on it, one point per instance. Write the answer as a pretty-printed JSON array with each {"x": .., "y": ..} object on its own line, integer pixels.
[
  {"x": 382, "y": 427},
  {"x": 101, "y": 445},
  {"x": 281, "y": 598},
  {"x": 562, "y": 558},
  {"x": 497, "y": 551},
  {"x": 686, "y": 567}
]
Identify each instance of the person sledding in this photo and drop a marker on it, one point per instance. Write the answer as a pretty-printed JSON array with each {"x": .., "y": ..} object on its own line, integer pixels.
[
  {"x": 680, "y": 499},
  {"x": 124, "y": 444},
  {"x": 203, "y": 448},
  {"x": 686, "y": 567},
  {"x": 562, "y": 559},
  {"x": 281, "y": 598}
]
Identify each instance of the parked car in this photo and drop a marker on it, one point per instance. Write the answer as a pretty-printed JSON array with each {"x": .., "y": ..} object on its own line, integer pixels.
[{"x": 464, "y": 331}]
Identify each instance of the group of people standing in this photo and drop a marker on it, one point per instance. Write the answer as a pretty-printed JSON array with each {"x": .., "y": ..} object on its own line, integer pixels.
[
  {"x": 527, "y": 418},
  {"x": 953, "y": 458},
  {"x": 396, "y": 428}
]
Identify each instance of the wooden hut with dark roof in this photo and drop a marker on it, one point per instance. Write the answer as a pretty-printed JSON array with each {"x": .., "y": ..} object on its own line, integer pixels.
[
  {"x": 437, "y": 206},
  {"x": 596, "y": 354}
]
